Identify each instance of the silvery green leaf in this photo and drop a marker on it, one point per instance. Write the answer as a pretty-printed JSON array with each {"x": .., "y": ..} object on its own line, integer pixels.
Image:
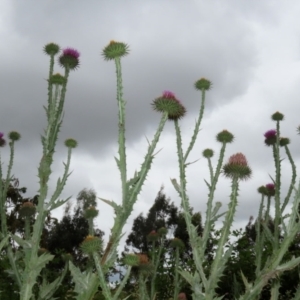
[
  {"x": 58, "y": 203},
  {"x": 246, "y": 283},
  {"x": 117, "y": 208},
  {"x": 24, "y": 243},
  {"x": 46, "y": 289},
  {"x": 175, "y": 184},
  {"x": 208, "y": 185},
  {"x": 3, "y": 242},
  {"x": 187, "y": 276},
  {"x": 289, "y": 265},
  {"x": 42, "y": 260},
  {"x": 86, "y": 284}
]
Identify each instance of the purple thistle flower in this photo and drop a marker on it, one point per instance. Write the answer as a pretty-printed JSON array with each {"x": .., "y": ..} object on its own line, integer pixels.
[
  {"x": 71, "y": 52},
  {"x": 2, "y": 140},
  {"x": 168, "y": 94},
  {"x": 270, "y": 134},
  {"x": 271, "y": 188}
]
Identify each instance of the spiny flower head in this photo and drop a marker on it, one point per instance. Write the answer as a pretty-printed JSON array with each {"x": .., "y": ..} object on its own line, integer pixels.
[
  {"x": 91, "y": 244},
  {"x": 71, "y": 52},
  {"x": 2, "y": 140},
  {"x": 91, "y": 212},
  {"x": 71, "y": 143},
  {"x": 203, "y": 84},
  {"x": 277, "y": 116},
  {"x": 51, "y": 49},
  {"x": 144, "y": 264},
  {"x": 153, "y": 236},
  {"x": 177, "y": 243},
  {"x": 69, "y": 58},
  {"x": 170, "y": 104},
  {"x": 162, "y": 231},
  {"x": 225, "y": 137},
  {"x": 284, "y": 141},
  {"x": 57, "y": 79},
  {"x": 14, "y": 135},
  {"x": 143, "y": 259},
  {"x": 131, "y": 259},
  {"x": 271, "y": 189},
  {"x": 270, "y": 136},
  {"x": 267, "y": 190},
  {"x": 27, "y": 209},
  {"x": 168, "y": 94},
  {"x": 208, "y": 153},
  {"x": 237, "y": 167},
  {"x": 115, "y": 49}
]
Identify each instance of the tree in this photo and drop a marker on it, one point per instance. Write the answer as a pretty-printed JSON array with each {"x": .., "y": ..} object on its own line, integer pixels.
[
  {"x": 165, "y": 214},
  {"x": 60, "y": 237}
]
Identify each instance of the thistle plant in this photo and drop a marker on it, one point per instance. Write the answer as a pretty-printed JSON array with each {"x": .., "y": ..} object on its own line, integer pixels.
[
  {"x": 26, "y": 276},
  {"x": 237, "y": 169},
  {"x": 29, "y": 260}
]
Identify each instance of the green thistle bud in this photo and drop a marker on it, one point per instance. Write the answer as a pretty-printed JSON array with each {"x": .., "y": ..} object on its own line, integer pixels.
[
  {"x": 91, "y": 212},
  {"x": 208, "y": 153},
  {"x": 131, "y": 259},
  {"x": 51, "y": 49},
  {"x": 91, "y": 244},
  {"x": 168, "y": 103},
  {"x": 284, "y": 141},
  {"x": 42, "y": 251},
  {"x": 162, "y": 231},
  {"x": 57, "y": 79},
  {"x": 153, "y": 236},
  {"x": 237, "y": 167},
  {"x": 27, "y": 209},
  {"x": 267, "y": 190},
  {"x": 177, "y": 243},
  {"x": 71, "y": 143},
  {"x": 67, "y": 257},
  {"x": 263, "y": 190},
  {"x": 225, "y": 137},
  {"x": 277, "y": 116},
  {"x": 114, "y": 50},
  {"x": 14, "y": 135},
  {"x": 203, "y": 84}
]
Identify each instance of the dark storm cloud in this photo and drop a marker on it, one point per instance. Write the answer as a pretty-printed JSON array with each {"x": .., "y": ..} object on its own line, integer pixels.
[
  {"x": 172, "y": 44},
  {"x": 171, "y": 47}
]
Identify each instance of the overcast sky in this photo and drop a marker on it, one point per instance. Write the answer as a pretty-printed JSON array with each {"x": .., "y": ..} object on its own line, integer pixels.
[{"x": 248, "y": 49}]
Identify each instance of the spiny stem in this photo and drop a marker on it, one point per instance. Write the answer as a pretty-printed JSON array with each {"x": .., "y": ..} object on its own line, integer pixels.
[
  {"x": 293, "y": 180},
  {"x": 197, "y": 126},
  {"x": 259, "y": 238},
  {"x": 278, "y": 186},
  {"x": 186, "y": 206},
  {"x": 122, "y": 139},
  {"x": 218, "y": 261},
  {"x": 207, "y": 225}
]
